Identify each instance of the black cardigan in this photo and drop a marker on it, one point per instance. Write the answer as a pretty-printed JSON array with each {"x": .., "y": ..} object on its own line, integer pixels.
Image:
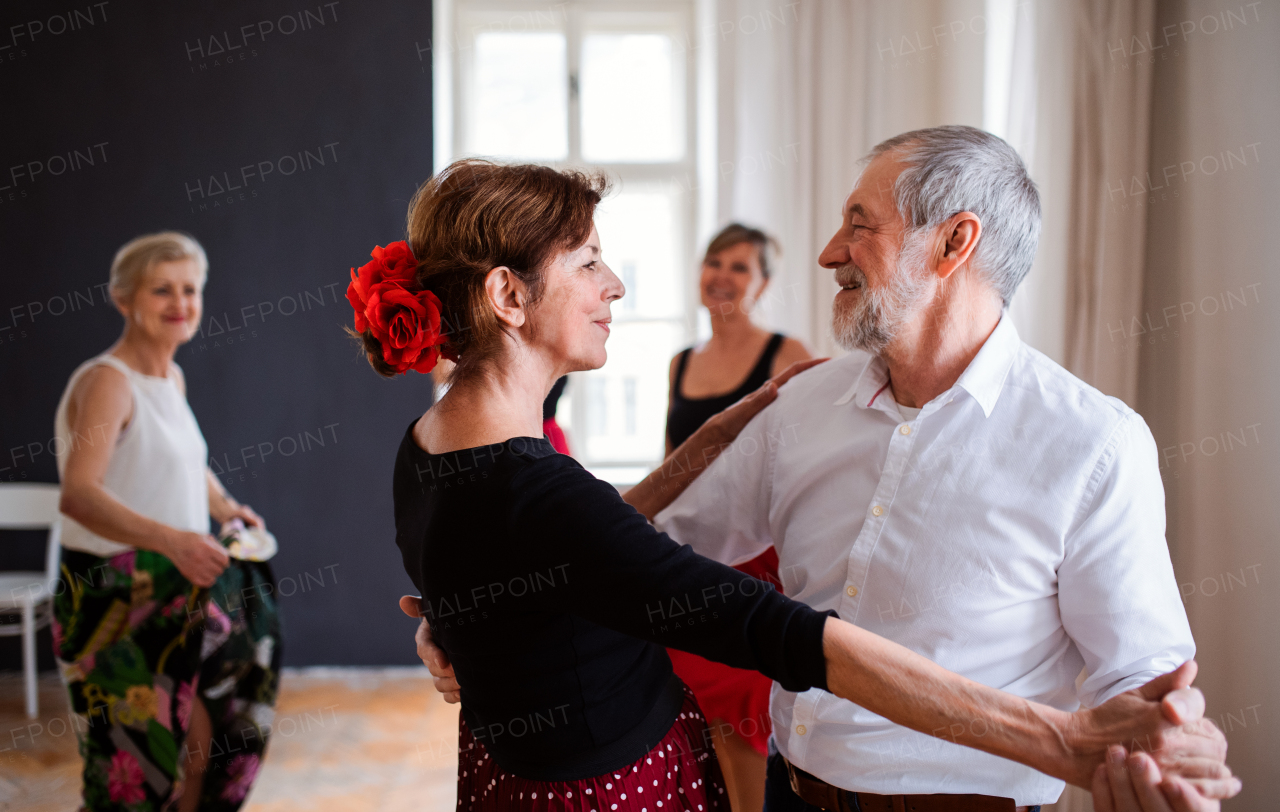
[{"x": 554, "y": 599}]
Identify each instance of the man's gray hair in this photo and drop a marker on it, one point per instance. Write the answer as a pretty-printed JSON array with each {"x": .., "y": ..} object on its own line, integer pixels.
[{"x": 955, "y": 168}]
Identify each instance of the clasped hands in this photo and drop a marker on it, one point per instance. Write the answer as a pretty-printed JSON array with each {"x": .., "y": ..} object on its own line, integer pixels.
[{"x": 1176, "y": 766}]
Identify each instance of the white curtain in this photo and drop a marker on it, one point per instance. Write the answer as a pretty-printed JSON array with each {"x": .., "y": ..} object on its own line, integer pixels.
[
  {"x": 805, "y": 90},
  {"x": 1209, "y": 385},
  {"x": 1111, "y": 111}
]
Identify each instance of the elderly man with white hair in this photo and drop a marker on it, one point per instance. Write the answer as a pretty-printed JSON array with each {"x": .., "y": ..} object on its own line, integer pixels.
[{"x": 951, "y": 489}]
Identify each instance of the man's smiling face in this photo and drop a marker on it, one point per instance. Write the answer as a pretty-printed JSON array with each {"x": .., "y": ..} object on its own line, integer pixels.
[{"x": 883, "y": 283}]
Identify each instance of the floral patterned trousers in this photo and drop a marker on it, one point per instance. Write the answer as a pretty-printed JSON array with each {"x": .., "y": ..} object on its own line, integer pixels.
[{"x": 136, "y": 642}]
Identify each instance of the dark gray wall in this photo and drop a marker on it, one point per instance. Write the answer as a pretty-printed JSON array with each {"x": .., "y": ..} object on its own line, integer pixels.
[{"x": 287, "y": 138}]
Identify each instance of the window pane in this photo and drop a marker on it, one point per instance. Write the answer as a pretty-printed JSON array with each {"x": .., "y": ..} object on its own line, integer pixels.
[
  {"x": 520, "y": 99},
  {"x": 627, "y": 398},
  {"x": 625, "y": 409},
  {"x": 640, "y": 238},
  {"x": 632, "y": 98}
]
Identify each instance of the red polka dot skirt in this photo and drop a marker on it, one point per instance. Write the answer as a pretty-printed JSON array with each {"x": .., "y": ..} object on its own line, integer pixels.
[{"x": 680, "y": 774}]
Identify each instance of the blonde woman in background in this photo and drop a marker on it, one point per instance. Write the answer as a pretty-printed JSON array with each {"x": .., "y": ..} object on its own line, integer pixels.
[
  {"x": 135, "y": 623},
  {"x": 736, "y": 361}
]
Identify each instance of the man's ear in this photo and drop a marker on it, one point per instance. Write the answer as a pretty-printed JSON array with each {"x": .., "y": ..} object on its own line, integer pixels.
[
  {"x": 507, "y": 295},
  {"x": 960, "y": 238}
]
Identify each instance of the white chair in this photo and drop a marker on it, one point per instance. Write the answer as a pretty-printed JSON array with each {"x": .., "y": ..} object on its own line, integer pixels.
[{"x": 30, "y": 506}]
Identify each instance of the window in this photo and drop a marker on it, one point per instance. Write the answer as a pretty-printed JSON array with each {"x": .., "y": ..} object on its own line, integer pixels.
[{"x": 606, "y": 84}]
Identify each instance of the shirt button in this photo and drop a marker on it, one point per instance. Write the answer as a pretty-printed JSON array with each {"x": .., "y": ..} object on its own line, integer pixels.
[
  {"x": 904, "y": 429},
  {"x": 877, "y": 511},
  {"x": 852, "y": 591},
  {"x": 801, "y": 729}
]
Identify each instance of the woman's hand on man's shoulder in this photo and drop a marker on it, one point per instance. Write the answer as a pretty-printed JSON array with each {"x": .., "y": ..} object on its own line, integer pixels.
[{"x": 730, "y": 423}]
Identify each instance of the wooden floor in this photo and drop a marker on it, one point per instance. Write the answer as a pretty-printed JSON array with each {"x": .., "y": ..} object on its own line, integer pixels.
[{"x": 345, "y": 739}]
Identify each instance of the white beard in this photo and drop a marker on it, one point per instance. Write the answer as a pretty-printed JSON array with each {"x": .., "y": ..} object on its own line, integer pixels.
[{"x": 874, "y": 320}]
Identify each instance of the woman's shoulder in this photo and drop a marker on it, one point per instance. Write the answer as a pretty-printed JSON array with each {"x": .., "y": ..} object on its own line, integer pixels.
[
  {"x": 556, "y": 499},
  {"x": 537, "y": 464},
  {"x": 99, "y": 378},
  {"x": 549, "y": 484},
  {"x": 791, "y": 346},
  {"x": 790, "y": 351},
  {"x": 514, "y": 457},
  {"x": 674, "y": 366},
  {"x": 97, "y": 392},
  {"x": 687, "y": 351},
  {"x": 521, "y": 483}
]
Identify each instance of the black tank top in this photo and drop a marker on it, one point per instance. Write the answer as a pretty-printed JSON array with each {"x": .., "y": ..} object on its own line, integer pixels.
[{"x": 688, "y": 414}]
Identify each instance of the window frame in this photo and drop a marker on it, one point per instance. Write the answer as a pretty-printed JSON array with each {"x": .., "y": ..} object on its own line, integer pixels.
[{"x": 461, "y": 20}]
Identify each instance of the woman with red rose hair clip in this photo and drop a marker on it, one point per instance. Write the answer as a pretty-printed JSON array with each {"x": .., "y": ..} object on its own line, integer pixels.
[{"x": 551, "y": 595}]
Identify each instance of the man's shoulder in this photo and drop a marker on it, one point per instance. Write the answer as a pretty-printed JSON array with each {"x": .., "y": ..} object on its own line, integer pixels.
[
  {"x": 824, "y": 384},
  {"x": 1040, "y": 383}
]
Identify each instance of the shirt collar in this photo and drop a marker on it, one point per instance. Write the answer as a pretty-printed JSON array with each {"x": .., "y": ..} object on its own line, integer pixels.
[
  {"x": 869, "y": 385},
  {"x": 983, "y": 379}
]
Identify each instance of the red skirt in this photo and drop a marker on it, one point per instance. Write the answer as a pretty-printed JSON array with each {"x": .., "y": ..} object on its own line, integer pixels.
[
  {"x": 680, "y": 774},
  {"x": 734, "y": 698}
]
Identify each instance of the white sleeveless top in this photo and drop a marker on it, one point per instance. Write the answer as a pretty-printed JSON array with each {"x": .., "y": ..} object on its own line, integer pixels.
[{"x": 158, "y": 466}]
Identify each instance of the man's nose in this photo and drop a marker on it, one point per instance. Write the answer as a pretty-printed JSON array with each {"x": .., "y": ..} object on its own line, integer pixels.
[{"x": 835, "y": 254}]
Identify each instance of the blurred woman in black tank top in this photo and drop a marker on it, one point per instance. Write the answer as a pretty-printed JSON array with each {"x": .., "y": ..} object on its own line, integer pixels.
[
  {"x": 738, "y": 358},
  {"x": 687, "y": 414}
]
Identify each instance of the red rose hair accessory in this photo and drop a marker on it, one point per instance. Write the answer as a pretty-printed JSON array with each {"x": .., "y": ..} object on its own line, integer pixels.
[{"x": 388, "y": 302}]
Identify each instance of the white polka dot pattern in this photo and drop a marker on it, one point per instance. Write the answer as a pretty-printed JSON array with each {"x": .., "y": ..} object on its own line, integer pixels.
[{"x": 482, "y": 786}]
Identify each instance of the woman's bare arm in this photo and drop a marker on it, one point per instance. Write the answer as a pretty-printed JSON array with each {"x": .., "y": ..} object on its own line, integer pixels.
[
  {"x": 894, "y": 682},
  {"x": 223, "y": 507}
]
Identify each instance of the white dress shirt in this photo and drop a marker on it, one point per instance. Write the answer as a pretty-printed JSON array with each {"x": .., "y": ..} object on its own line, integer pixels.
[{"x": 1013, "y": 532}]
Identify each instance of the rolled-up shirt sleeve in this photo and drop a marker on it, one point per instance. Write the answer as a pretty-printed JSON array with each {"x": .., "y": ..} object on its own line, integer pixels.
[
  {"x": 724, "y": 513},
  {"x": 1117, "y": 593}
]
